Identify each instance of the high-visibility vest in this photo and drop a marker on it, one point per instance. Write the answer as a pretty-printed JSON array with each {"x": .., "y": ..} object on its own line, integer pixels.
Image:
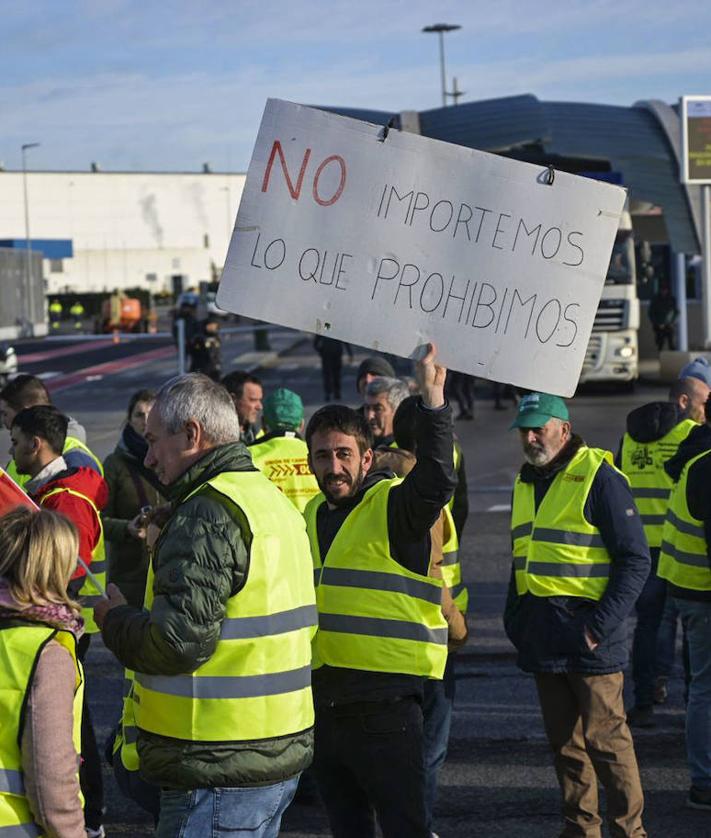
[
  {"x": 20, "y": 648},
  {"x": 257, "y": 684},
  {"x": 284, "y": 460},
  {"x": 643, "y": 463},
  {"x": 55, "y": 307},
  {"x": 125, "y": 740},
  {"x": 89, "y": 593},
  {"x": 374, "y": 614},
  {"x": 70, "y": 443},
  {"x": 76, "y": 310},
  {"x": 557, "y": 552},
  {"x": 451, "y": 565},
  {"x": 683, "y": 556}
]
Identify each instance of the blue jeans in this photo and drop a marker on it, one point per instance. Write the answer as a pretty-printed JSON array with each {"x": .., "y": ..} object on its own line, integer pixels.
[
  {"x": 649, "y": 607},
  {"x": 245, "y": 812},
  {"x": 437, "y": 720},
  {"x": 666, "y": 638},
  {"x": 697, "y": 621}
]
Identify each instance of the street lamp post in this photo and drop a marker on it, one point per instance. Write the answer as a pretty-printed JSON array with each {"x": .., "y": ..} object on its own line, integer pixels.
[
  {"x": 26, "y": 297},
  {"x": 440, "y": 29}
]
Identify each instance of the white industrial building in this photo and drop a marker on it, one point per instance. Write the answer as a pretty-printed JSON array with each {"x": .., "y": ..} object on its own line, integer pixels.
[{"x": 126, "y": 229}]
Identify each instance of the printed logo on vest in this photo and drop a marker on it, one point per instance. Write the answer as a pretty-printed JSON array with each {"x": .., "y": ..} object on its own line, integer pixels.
[{"x": 641, "y": 457}]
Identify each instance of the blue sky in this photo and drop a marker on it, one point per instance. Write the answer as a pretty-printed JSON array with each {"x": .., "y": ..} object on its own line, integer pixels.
[{"x": 169, "y": 85}]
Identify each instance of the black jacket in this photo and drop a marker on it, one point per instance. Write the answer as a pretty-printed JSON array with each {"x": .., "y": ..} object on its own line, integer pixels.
[
  {"x": 549, "y": 631},
  {"x": 413, "y": 508},
  {"x": 698, "y": 493}
]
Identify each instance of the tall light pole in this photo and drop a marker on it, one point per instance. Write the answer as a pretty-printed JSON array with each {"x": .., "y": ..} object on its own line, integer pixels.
[
  {"x": 28, "y": 247},
  {"x": 440, "y": 29}
]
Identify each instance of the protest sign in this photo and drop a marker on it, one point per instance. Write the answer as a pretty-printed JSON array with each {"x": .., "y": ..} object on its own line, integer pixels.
[{"x": 388, "y": 240}]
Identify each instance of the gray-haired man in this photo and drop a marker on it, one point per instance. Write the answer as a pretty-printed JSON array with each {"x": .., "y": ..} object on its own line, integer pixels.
[
  {"x": 222, "y": 650},
  {"x": 382, "y": 398}
]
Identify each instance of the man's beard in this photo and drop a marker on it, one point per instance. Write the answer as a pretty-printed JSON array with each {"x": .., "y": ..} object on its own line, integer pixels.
[
  {"x": 536, "y": 455},
  {"x": 354, "y": 485}
]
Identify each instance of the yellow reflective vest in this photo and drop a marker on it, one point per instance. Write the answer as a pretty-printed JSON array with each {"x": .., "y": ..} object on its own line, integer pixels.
[
  {"x": 284, "y": 460},
  {"x": 374, "y": 614},
  {"x": 70, "y": 443},
  {"x": 643, "y": 463},
  {"x": 20, "y": 648},
  {"x": 451, "y": 565},
  {"x": 557, "y": 552},
  {"x": 89, "y": 593},
  {"x": 257, "y": 684},
  {"x": 683, "y": 557}
]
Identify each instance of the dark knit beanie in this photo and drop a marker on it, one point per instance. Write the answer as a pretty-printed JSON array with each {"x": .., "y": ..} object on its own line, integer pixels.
[{"x": 375, "y": 365}]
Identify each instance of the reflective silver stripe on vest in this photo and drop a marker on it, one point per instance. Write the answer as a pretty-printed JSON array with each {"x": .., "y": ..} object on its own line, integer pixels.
[
  {"x": 96, "y": 567},
  {"x": 376, "y": 580},
  {"x": 457, "y": 589},
  {"x": 684, "y": 526},
  {"x": 582, "y": 571},
  {"x": 228, "y": 686},
  {"x": 11, "y": 781},
  {"x": 241, "y": 628},
  {"x": 691, "y": 559},
  {"x": 519, "y": 562},
  {"x": 24, "y": 830},
  {"x": 574, "y": 539},
  {"x": 450, "y": 558},
  {"x": 521, "y": 530},
  {"x": 378, "y": 627},
  {"x": 640, "y": 492},
  {"x": 130, "y": 734},
  {"x": 652, "y": 520}
]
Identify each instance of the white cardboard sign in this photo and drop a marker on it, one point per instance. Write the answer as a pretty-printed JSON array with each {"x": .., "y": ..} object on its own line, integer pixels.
[{"x": 389, "y": 242}]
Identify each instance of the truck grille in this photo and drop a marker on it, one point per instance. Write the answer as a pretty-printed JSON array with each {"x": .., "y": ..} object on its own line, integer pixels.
[
  {"x": 593, "y": 354},
  {"x": 610, "y": 316}
]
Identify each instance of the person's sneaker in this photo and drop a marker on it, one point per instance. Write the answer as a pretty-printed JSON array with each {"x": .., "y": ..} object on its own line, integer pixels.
[
  {"x": 661, "y": 693},
  {"x": 699, "y": 799},
  {"x": 95, "y": 833},
  {"x": 641, "y": 717}
]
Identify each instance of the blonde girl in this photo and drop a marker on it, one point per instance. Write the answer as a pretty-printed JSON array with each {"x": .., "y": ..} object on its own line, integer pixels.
[{"x": 42, "y": 684}]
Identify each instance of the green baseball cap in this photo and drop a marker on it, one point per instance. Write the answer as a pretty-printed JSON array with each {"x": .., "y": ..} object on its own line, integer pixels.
[
  {"x": 535, "y": 409},
  {"x": 283, "y": 410}
]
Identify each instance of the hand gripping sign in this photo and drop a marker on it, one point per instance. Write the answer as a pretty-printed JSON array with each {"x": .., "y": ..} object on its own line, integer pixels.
[{"x": 389, "y": 240}]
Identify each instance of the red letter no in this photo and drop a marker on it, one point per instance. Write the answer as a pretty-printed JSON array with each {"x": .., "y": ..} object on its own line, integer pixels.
[{"x": 295, "y": 191}]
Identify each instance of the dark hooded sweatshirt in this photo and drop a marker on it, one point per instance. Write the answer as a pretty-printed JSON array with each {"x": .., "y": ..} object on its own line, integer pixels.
[
  {"x": 698, "y": 493},
  {"x": 646, "y": 424}
]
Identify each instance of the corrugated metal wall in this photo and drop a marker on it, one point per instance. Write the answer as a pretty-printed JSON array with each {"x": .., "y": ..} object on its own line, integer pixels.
[{"x": 18, "y": 302}]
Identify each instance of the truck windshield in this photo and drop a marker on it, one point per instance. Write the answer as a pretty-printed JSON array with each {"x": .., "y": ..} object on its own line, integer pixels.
[{"x": 621, "y": 270}]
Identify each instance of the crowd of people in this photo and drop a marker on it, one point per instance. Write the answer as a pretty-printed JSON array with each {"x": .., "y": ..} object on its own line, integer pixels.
[{"x": 287, "y": 600}]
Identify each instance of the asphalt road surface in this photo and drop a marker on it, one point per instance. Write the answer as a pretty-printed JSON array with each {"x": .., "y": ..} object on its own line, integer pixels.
[{"x": 498, "y": 779}]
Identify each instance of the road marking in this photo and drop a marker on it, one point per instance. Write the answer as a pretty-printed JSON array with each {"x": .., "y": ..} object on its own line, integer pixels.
[
  {"x": 109, "y": 368},
  {"x": 36, "y": 357},
  {"x": 500, "y": 507}
]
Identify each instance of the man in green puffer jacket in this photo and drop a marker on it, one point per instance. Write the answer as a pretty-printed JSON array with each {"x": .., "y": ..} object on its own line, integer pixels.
[{"x": 230, "y": 613}]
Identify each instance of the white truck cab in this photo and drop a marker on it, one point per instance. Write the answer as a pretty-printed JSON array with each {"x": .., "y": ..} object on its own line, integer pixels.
[{"x": 612, "y": 353}]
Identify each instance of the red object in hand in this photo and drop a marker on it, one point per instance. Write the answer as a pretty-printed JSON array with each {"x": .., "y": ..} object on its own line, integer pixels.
[{"x": 11, "y": 495}]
